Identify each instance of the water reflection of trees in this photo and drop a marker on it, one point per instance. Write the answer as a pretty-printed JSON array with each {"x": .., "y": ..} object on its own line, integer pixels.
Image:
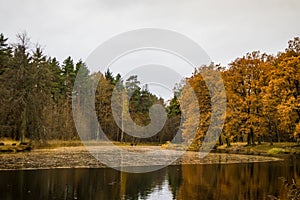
[
  {"x": 78, "y": 184},
  {"x": 235, "y": 181},
  {"x": 232, "y": 181}
]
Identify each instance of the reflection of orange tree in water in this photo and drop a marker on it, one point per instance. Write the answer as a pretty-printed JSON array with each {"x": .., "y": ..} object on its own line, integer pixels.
[
  {"x": 224, "y": 181},
  {"x": 242, "y": 181}
]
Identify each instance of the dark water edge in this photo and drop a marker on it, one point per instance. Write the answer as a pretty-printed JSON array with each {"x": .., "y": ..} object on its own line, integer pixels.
[{"x": 208, "y": 181}]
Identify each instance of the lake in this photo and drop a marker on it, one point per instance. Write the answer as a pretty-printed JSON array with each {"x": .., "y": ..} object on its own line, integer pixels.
[{"x": 208, "y": 181}]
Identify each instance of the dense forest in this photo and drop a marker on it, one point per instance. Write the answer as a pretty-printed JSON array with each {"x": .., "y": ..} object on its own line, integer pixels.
[
  {"x": 262, "y": 91},
  {"x": 36, "y": 97}
]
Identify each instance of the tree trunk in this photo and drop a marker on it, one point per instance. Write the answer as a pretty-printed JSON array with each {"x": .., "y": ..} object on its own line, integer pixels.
[
  {"x": 277, "y": 133},
  {"x": 227, "y": 142},
  {"x": 270, "y": 138},
  {"x": 23, "y": 126},
  {"x": 259, "y": 139},
  {"x": 220, "y": 140},
  {"x": 250, "y": 138}
]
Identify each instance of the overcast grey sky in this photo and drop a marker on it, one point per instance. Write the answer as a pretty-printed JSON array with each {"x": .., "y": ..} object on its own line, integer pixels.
[{"x": 225, "y": 29}]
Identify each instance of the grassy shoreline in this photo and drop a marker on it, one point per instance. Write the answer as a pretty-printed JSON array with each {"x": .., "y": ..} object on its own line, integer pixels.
[
  {"x": 13, "y": 146},
  {"x": 281, "y": 148},
  {"x": 278, "y": 148}
]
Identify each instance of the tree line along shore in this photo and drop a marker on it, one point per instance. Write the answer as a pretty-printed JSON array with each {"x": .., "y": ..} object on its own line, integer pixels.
[{"x": 262, "y": 92}]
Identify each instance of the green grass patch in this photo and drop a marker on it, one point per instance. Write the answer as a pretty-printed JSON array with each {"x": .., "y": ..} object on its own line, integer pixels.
[{"x": 276, "y": 151}]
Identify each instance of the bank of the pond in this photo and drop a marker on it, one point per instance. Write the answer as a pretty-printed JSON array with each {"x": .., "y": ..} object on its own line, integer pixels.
[
  {"x": 12, "y": 146},
  {"x": 278, "y": 149},
  {"x": 79, "y": 157}
]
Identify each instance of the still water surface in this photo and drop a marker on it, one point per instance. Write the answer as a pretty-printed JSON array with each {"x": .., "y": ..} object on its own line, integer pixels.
[{"x": 215, "y": 181}]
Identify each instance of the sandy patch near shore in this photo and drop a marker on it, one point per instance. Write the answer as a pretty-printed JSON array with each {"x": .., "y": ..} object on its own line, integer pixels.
[{"x": 80, "y": 157}]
